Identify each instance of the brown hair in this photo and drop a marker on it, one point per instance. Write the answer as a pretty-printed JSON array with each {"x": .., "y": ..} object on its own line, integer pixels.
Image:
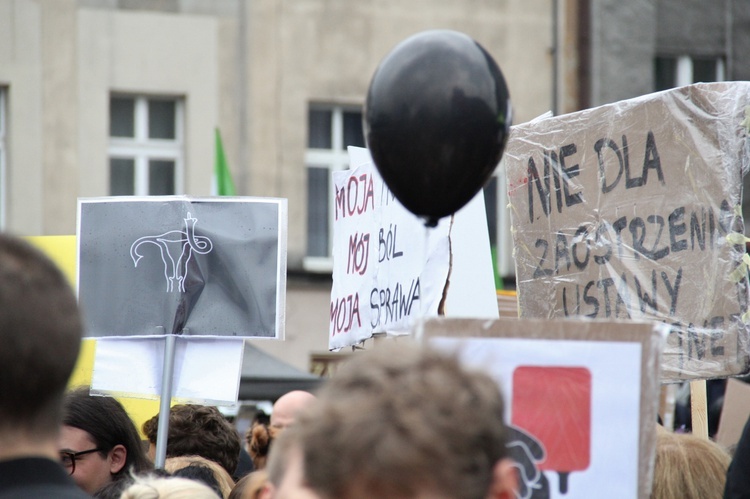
[
  {"x": 688, "y": 467},
  {"x": 390, "y": 420},
  {"x": 259, "y": 438},
  {"x": 40, "y": 334},
  {"x": 201, "y": 431}
]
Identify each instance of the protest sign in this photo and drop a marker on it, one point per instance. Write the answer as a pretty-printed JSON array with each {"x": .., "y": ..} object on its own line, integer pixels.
[
  {"x": 161, "y": 265},
  {"x": 581, "y": 398},
  {"x": 390, "y": 270},
  {"x": 632, "y": 211}
]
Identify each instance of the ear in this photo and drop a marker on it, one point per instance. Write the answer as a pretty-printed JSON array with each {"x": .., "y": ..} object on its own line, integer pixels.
[
  {"x": 117, "y": 457},
  {"x": 504, "y": 480},
  {"x": 267, "y": 492}
]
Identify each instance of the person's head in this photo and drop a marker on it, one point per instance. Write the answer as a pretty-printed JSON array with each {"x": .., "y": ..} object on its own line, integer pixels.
[
  {"x": 151, "y": 487},
  {"x": 688, "y": 467},
  {"x": 40, "y": 334},
  {"x": 285, "y": 409},
  {"x": 200, "y": 468},
  {"x": 399, "y": 421},
  {"x": 250, "y": 486},
  {"x": 98, "y": 442},
  {"x": 198, "y": 430},
  {"x": 259, "y": 438}
]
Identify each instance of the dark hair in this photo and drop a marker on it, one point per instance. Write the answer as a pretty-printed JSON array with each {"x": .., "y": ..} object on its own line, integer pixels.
[
  {"x": 40, "y": 336},
  {"x": 109, "y": 425},
  {"x": 202, "y": 474},
  {"x": 114, "y": 490},
  {"x": 199, "y": 430}
]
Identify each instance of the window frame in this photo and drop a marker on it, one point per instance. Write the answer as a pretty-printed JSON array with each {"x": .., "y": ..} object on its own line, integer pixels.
[
  {"x": 334, "y": 159},
  {"x": 143, "y": 149},
  {"x": 684, "y": 65}
]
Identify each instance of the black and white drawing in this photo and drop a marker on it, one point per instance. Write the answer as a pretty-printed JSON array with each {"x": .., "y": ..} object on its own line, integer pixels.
[
  {"x": 174, "y": 264},
  {"x": 176, "y": 248}
]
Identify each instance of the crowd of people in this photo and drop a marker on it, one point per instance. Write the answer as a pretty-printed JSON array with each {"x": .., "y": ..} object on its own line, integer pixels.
[{"x": 401, "y": 421}]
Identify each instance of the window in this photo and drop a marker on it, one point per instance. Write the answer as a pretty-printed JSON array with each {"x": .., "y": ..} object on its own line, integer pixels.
[
  {"x": 3, "y": 139},
  {"x": 331, "y": 129},
  {"x": 678, "y": 71},
  {"x": 145, "y": 145}
]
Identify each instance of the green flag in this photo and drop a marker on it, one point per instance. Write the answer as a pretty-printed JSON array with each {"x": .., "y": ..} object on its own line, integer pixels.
[{"x": 222, "y": 181}]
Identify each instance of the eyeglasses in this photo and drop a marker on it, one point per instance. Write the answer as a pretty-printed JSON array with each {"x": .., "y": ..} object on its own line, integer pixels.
[{"x": 68, "y": 458}]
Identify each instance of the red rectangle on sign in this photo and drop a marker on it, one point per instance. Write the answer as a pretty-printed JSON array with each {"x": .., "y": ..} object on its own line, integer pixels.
[{"x": 554, "y": 405}]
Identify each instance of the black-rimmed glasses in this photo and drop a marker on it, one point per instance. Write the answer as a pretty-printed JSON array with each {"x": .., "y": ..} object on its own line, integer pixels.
[{"x": 68, "y": 458}]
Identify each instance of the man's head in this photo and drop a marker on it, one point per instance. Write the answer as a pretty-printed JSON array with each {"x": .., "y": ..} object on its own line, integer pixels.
[
  {"x": 40, "y": 334},
  {"x": 198, "y": 430},
  {"x": 285, "y": 409},
  {"x": 99, "y": 423},
  {"x": 400, "y": 421}
]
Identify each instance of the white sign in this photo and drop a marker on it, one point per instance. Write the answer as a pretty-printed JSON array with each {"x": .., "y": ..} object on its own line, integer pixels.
[
  {"x": 206, "y": 370},
  {"x": 581, "y": 398},
  {"x": 390, "y": 270}
]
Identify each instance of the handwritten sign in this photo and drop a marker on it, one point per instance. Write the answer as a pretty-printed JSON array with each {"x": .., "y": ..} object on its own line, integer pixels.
[
  {"x": 390, "y": 270},
  {"x": 632, "y": 211}
]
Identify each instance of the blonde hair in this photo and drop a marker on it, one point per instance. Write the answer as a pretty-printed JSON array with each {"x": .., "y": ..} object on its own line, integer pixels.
[
  {"x": 151, "y": 487},
  {"x": 173, "y": 464},
  {"x": 688, "y": 467}
]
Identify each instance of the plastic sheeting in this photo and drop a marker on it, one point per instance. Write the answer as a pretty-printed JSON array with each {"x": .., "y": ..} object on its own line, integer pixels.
[{"x": 633, "y": 211}]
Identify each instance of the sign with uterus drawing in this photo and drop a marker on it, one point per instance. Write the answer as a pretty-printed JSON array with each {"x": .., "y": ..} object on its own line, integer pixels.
[{"x": 179, "y": 265}]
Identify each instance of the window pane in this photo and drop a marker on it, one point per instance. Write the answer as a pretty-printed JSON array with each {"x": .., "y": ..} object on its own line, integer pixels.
[
  {"x": 490, "y": 206},
  {"x": 704, "y": 70},
  {"x": 160, "y": 177},
  {"x": 317, "y": 211},
  {"x": 665, "y": 72},
  {"x": 121, "y": 117},
  {"x": 319, "y": 129},
  {"x": 161, "y": 119},
  {"x": 353, "y": 135},
  {"x": 121, "y": 176}
]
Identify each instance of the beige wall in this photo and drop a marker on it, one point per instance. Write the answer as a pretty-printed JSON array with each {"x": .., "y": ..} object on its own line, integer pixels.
[
  {"x": 21, "y": 72},
  {"x": 327, "y": 50},
  {"x": 250, "y": 67},
  {"x": 147, "y": 53}
]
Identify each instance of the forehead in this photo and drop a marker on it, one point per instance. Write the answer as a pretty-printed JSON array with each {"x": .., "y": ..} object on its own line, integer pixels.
[{"x": 75, "y": 439}]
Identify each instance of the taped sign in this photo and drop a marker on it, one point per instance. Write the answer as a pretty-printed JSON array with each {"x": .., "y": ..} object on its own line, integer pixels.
[{"x": 633, "y": 211}]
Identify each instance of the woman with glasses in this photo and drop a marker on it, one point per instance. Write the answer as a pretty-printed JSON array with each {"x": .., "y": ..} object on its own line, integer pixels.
[{"x": 98, "y": 441}]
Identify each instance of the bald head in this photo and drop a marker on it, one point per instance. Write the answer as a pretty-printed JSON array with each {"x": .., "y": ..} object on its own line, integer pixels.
[{"x": 287, "y": 406}]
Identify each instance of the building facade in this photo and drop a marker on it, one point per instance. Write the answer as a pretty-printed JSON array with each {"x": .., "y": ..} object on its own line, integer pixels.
[{"x": 117, "y": 97}]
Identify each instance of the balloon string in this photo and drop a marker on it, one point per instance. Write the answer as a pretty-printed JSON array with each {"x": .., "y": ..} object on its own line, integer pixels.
[{"x": 419, "y": 329}]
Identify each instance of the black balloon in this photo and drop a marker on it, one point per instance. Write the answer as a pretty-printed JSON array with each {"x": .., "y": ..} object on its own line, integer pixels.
[{"x": 436, "y": 121}]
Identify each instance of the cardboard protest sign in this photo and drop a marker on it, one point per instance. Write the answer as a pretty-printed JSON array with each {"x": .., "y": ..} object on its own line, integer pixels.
[
  {"x": 581, "y": 398},
  {"x": 390, "y": 270},
  {"x": 632, "y": 211},
  {"x": 160, "y": 265}
]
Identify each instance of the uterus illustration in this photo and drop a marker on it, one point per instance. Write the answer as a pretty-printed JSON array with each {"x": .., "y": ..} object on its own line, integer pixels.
[{"x": 176, "y": 248}]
